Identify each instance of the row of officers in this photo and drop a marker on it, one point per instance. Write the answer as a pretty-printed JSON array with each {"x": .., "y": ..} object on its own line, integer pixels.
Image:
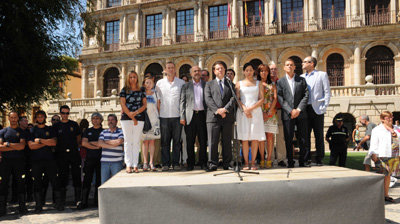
[{"x": 50, "y": 153}]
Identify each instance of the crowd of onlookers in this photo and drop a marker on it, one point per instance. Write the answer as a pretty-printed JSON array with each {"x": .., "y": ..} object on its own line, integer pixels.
[{"x": 261, "y": 111}]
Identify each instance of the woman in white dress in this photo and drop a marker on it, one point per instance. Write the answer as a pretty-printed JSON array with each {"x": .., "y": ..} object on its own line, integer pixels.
[
  {"x": 149, "y": 137},
  {"x": 250, "y": 124}
]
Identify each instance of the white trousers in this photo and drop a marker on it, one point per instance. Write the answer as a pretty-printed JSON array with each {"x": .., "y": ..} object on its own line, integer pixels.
[{"x": 132, "y": 135}]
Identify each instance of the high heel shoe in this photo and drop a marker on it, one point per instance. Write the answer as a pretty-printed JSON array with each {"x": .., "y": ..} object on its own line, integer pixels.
[
  {"x": 269, "y": 164},
  {"x": 253, "y": 166},
  {"x": 145, "y": 167},
  {"x": 262, "y": 164},
  {"x": 152, "y": 167},
  {"x": 246, "y": 167}
]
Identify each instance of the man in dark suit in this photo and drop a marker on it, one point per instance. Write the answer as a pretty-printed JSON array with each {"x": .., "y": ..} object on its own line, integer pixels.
[
  {"x": 220, "y": 117},
  {"x": 193, "y": 117},
  {"x": 293, "y": 97}
]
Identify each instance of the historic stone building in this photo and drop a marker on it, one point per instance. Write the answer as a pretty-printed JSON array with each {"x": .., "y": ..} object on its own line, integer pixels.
[{"x": 350, "y": 38}]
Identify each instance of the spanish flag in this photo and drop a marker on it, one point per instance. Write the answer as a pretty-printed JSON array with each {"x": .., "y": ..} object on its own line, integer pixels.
[
  {"x": 260, "y": 10},
  {"x": 246, "y": 17}
]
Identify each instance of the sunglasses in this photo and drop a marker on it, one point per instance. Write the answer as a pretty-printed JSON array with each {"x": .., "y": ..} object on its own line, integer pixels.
[{"x": 64, "y": 113}]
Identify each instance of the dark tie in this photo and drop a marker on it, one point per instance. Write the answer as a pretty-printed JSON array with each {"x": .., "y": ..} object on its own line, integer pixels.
[{"x": 221, "y": 88}]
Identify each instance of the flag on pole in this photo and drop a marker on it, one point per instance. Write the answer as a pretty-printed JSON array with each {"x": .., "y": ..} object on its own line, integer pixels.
[
  {"x": 246, "y": 17},
  {"x": 229, "y": 19},
  {"x": 260, "y": 10}
]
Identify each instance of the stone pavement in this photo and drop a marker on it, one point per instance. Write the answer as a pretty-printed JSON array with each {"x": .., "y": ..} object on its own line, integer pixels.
[{"x": 91, "y": 215}]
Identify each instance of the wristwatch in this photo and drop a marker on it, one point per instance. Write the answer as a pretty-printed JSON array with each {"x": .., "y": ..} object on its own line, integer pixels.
[{"x": 39, "y": 141}]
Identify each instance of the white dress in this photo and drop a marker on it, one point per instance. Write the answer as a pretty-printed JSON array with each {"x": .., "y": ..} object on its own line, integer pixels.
[
  {"x": 250, "y": 128},
  {"x": 152, "y": 111}
]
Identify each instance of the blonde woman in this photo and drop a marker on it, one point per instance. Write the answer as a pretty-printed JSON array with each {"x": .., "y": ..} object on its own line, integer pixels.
[
  {"x": 384, "y": 149},
  {"x": 133, "y": 103}
]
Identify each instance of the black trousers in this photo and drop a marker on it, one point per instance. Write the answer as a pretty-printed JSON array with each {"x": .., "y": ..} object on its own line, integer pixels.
[
  {"x": 41, "y": 168},
  {"x": 338, "y": 153},
  {"x": 197, "y": 127},
  {"x": 214, "y": 131},
  {"x": 91, "y": 166},
  {"x": 16, "y": 168},
  {"x": 66, "y": 163},
  {"x": 170, "y": 129},
  {"x": 302, "y": 138},
  {"x": 316, "y": 123}
]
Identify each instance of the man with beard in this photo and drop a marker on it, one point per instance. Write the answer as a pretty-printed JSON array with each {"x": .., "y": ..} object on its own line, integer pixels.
[
  {"x": 43, "y": 137},
  {"x": 92, "y": 165},
  {"x": 12, "y": 145}
]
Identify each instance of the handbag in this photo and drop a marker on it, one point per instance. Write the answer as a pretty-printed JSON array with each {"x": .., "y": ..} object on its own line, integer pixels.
[{"x": 147, "y": 123}]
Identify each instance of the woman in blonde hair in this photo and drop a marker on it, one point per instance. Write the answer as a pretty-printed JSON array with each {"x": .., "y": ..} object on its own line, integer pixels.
[
  {"x": 384, "y": 149},
  {"x": 133, "y": 103}
]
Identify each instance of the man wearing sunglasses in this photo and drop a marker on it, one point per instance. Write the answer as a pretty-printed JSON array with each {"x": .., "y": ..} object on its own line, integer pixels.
[
  {"x": 319, "y": 96},
  {"x": 67, "y": 154}
]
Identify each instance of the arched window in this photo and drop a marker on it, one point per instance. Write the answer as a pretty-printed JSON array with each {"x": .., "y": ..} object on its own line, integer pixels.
[
  {"x": 335, "y": 69},
  {"x": 255, "y": 62},
  {"x": 184, "y": 70},
  {"x": 380, "y": 64},
  {"x": 156, "y": 70},
  {"x": 299, "y": 65},
  {"x": 333, "y": 12},
  {"x": 111, "y": 81}
]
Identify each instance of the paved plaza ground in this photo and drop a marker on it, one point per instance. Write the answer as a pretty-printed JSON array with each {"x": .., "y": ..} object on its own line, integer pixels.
[{"x": 91, "y": 215}]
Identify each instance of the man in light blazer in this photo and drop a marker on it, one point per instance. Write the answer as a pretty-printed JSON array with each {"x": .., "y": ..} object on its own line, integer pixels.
[
  {"x": 319, "y": 96},
  {"x": 193, "y": 117},
  {"x": 220, "y": 117},
  {"x": 293, "y": 97}
]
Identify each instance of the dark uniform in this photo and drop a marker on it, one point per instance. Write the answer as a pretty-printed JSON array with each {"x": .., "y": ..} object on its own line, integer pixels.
[
  {"x": 92, "y": 165},
  {"x": 43, "y": 163},
  {"x": 12, "y": 163},
  {"x": 337, "y": 138},
  {"x": 67, "y": 154},
  {"x": 28, "y": 169}
]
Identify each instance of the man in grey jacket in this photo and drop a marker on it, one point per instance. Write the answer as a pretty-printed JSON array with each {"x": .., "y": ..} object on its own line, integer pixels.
[{"x": 319, "y": 96}]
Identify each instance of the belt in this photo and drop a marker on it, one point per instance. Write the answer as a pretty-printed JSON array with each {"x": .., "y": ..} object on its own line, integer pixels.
[{"x": 198, "y": 111}]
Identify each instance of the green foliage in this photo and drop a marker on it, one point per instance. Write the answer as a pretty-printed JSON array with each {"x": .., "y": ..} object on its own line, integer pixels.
[{"x": 31, "y": 50}]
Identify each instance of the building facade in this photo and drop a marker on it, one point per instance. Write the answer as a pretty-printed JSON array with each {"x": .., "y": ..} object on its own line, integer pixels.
[{"x": 351, "y": 40}]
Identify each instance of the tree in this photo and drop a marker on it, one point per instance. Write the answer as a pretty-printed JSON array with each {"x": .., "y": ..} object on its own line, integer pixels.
[{"x": 31, "y": 49}]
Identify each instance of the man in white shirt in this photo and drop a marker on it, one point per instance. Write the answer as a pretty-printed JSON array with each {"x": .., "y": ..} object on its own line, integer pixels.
[
  {"x": 293, "y": 97},
  {"x": 168, "y": 91},
  {"x": 319, "y": 96}
]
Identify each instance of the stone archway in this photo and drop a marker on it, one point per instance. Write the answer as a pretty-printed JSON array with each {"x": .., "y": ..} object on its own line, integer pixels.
[
  {"x": 156, "y": 70},
  {"x": 111, "y": 81}
]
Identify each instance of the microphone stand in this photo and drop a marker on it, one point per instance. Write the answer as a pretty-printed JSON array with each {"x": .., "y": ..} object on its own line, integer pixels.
[{"x": 237, "y": 168}]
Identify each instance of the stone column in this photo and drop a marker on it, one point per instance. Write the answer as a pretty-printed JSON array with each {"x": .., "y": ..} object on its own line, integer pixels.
[
  {"x": 355, "y": 12},
  {"x": 241, "y": 18},
  {"x": 123, "y": 75},
  {"x": 200, "y": 22},
  {"x": 357, "y": 64},
  {"x": 195, "y": 21},
  {"x": 201, "y": 62},
  {"x": 312, "y": 22},
  {"x": 314, "y": 53},
  {"x": 122, "y": 29},
  {"x": 96, "y": 79},
  {"x": 126, "y": 28},
  {"x": 397, "y": 69},
  {"x": 236, "y": 67},
  {"x": 266, "y": 16},
  {"x": 167, "y": 24},
  {"x": 234, "y": 12},
  {"x": 84, "y": 82},
  {"x": 274, "y": 56}
]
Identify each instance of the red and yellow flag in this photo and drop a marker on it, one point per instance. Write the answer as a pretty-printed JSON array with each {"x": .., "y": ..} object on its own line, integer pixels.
[
  {"x": 246, "y": 17},
  {"x": 260, "y": 10}
]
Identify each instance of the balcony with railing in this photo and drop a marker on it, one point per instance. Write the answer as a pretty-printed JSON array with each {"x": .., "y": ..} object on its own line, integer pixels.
[
  {"x": 292, "y": 27},
  {"x": 184, "y": 38},
  {"x": 152, "y": 42},
  {"x": 218, "y": 34},
  {"x": 253, "y": 30},
  {"x": 111, "y": 47}
]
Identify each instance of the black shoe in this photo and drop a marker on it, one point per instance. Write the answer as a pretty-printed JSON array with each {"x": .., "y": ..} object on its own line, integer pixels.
[
  {"x": 304, "y": 165},
  {"x": 203, "y": 166},
  {"x": 319, "y": 163},
  {"x": 189, "y": 168},
  {"x": 212, "y": 167},
  {"x": 290, "y": 165},
  {"x": 177, "y": 168},
  {"x": 165, "y": 168},
  {"x": 282, "y": 164},
  {"x": 227, "y": 167}
]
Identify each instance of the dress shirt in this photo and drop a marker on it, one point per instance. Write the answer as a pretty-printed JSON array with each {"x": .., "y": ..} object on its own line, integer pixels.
[
  {"x": 169, "y": 95},
  {"x": 291, "y": 83},
  {"x": 318, "y": 89},
  {"x": 381, "y": 141},
  {"x": 198, "y": 96},
  {"x": 223, "y": 82}
]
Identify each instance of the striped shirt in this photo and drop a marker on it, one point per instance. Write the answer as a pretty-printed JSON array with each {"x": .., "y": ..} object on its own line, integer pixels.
[{"x": 112, "y": 154}]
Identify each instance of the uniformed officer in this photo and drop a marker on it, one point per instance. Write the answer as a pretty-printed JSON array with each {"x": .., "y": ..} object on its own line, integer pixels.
[
  {"x": 90, "y": 140},
  {"x": 338, "y": 137},
  {"x": 67, "y": 154},
  {"x": 23, "y": 124},
  {"x": 12, "y": 145},
  {"x": 42, "y": 139}
]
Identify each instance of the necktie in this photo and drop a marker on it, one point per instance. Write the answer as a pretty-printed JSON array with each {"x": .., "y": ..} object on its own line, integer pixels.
[{"x": 220, "y": 87}]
